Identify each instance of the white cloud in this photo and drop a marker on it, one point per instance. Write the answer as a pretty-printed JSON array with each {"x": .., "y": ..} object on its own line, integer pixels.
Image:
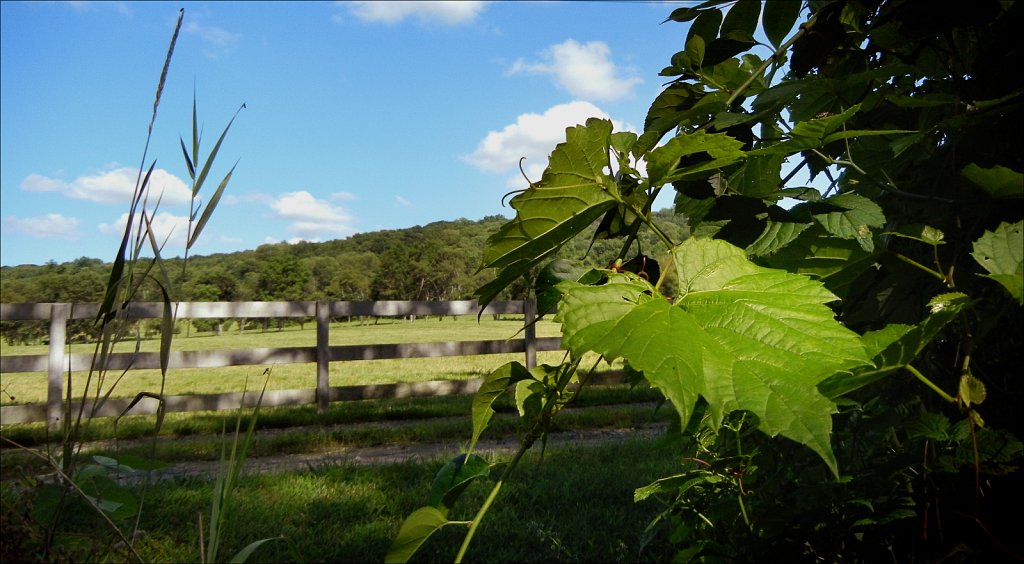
[
  {"x": 49, "y": 226},
  {"x": 166, "y": 227},
  {"x": 247, "y": 198},
  {"x": 403, "y": 202},
  {"x": 533, "y": 136},
  {"x": 344, "y": 196},
  {"x": 115, "y": 186},
  {"x": 585, "y": 70},
  {"x": 312, "y": 218},
  {"x": 83, "y": 6},
  {"x": 290, "y": 241},
  {"x": 213, "y": 35},
  {"x": 445, "y": 12}
]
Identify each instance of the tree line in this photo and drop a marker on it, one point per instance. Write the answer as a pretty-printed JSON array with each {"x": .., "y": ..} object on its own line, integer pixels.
[{"x": 438, "y": 261}]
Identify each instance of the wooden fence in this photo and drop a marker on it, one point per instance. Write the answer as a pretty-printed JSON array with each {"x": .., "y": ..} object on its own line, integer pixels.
[{"x": 57, "y": 363}]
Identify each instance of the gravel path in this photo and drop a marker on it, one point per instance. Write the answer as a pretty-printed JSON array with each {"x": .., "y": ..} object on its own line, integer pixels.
[{"x": 393, "y": 454}]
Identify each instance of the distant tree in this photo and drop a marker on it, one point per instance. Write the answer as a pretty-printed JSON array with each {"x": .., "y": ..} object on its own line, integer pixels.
[
  {"x": 355, "y": 275},
  {"x": 393, "y": 280},
  {"x": 283, "y": 277},
  {"x": 323, "y": 270}
]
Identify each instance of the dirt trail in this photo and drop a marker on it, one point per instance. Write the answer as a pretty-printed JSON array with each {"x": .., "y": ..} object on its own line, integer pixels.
[
  {"x": 388, "y": 454},
  {"x": 392, "y": 454}
]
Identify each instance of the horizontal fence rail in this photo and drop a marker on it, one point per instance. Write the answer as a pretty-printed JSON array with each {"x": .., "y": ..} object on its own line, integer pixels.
[{"x": 57, "y": 363}]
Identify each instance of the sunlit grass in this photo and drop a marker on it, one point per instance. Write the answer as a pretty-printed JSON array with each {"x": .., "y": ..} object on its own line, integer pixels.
[
  {"x": 31, "y": 387},
  {"x": 430, "y": 413},
  {"x": 356, "y": 332}
]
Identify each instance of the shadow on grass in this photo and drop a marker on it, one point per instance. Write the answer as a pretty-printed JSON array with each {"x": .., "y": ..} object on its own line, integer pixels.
[{"x": 574, "y": 505}]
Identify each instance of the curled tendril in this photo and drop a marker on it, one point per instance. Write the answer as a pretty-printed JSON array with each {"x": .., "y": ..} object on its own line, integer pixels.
[{"x": 523, "y": 172}]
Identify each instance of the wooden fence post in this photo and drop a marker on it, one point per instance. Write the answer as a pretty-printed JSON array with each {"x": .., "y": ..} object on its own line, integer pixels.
[
  {"x": 530, "y": 332},
  {"x": 55, "y": 378},
  {"x": 323, "y": 356}
]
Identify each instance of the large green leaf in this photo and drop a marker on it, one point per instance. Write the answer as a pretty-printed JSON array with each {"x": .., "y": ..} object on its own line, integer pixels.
[
  {"x": 759, "y": 177},
  {"x": 549, "y": 276},
  {"x": 742, "y": 336},
  {"x": 454, "y": 477},
  {"x": 820, "y": 127},
  {"x": 598, "y": 318},
  {"x": 670, "y": 108},
  {"x": 895, "y": 346},
  {"x": 667, "y": 163},
  {"x": 999, "y": 181},
  {"x": 416, "y": 529},
  {"x": 1001, "y": 253},
  {"x": 848, "y": 216},
  {"x": 834, "y": 261},
  {"x": 779, "y": 18},
  {"x": 705, "y": 26},
  {"x": 776, "y": 235},
  {"x": 817, "y": 132},
  {"x": 493, "y": 386},
  {"x": 742, "y": 17},
  {"x": 574, "y": 191}
]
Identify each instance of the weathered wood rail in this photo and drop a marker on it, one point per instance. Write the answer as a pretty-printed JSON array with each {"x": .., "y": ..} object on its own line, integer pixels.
[{"x": 57, "y": 363}]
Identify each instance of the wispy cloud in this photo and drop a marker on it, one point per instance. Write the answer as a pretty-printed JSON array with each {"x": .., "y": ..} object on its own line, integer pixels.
[
  {"x": 403, "y": 202},
  {"x": 393, "y": 12},
  {"x": 114, "y": 186},
  {"x": 532, "y": 136},
  {"x": 213, "y": 35},
  {"x": 311, "y": 218},
  {"x": 49, "y": 226},
  {"x": 166, "y": 227},
  {"x": 585, "y": 70},
  {"x": 217, "y": 40},
  {"x": 83, "y": 6}
]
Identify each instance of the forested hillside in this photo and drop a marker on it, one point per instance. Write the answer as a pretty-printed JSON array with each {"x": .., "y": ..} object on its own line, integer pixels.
[{"x": 438, "y": 261}]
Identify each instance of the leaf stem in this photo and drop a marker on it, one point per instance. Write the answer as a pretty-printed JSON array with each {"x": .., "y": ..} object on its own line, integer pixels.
[
  {"x": 924, "y": 379},
  {"x": 537, "y": 429},
  {"x": 938, "y": 275},
  {"x": 475, "y": 523}
]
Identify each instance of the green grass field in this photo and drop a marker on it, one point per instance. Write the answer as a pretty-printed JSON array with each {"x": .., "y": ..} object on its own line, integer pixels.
[
  {"x": 348, "y": 513},
  {"x": 31, "y": 387},
  {"x": 575, "y": 505}
]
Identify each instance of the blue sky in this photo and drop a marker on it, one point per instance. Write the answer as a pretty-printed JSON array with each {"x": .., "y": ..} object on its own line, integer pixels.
[{"x": 359, "y": 116}]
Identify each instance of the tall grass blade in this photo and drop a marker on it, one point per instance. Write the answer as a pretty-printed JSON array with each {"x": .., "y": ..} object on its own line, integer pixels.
[
  {"x": 213, "y": 154},
  {"x": 188, "y": 161},
  {"x": 218, "y": 499},
  {"x": 244, "y": 554},
  {"x": 210, "y": 206},
  {"x": 195, "y": 134},
  {"x": 227, "y": 477},
  {"x": 167, "y": 330},
  {"x": 105, "y": 313},
  {"x": 110, "y": 390}
]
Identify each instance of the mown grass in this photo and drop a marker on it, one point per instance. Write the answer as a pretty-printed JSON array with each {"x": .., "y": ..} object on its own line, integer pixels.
[
  {"x": 574, "y": 505},
  {"x": 420, "y": 330}
]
